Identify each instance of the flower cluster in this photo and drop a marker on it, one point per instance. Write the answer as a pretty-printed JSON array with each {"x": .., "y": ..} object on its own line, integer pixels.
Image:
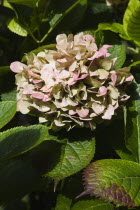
[{"x": 75, "y": 84}]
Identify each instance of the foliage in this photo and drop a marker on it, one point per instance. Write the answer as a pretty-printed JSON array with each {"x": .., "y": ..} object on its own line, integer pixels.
[{"x": 46, "y": 168}]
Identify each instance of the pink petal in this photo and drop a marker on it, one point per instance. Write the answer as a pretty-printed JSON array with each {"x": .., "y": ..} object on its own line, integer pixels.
[
  {"x": 82, "y": 77},
  {"x": 95, "y": 73},
  {"x": 114, "y": 79},
  {"x": 33, "y": 75},
  {"x": 102, "y": 91},
  {"x": 88, "y": 37},
  {"x": 129, "y": 79},
  {"x": 17, "y": 66},
  {"x": 46, "y": 98},
  {"x": 37, "y": 81},
  {"x": 71, "y": 112},
  {"x": 37, "y": 95},
  {"x": 101, "y": 53},
  {"x": 82, "y": 112},
  {"x": 45, "y": 89}
]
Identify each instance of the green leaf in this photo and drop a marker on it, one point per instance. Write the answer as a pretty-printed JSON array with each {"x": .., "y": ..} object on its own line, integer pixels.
[
  {"x": 7, "y": 112},
  {"x": 36, "y": 51},
  {"x": 6, "y": 4},
  {"x": 29, "y": 3},
  {"x": 137, "y": 43},
  {"x": 64, "y": 15},
  {"x": 18, "y": 140},
  {"x": 63, "y": 203},
  {"x": 99, "y": 37},
  {"x": 74, "y": 157},
  {"x": 9, "y": 96},
  {"x": 118, "y": 141},
  {"x": 116, "y": 181},
  {"x": 15, "y": 27},
  {"x": 17, "y": 178},
  {"x": 55, "y": 19},
  {"x": 107, "y": 141},
  {"x": 132, "y": 131},
  {"x": 95, "y": 204},
  {"x": 114, "y": 27},
  {"x": 131, "y": 20},
  {"x": 4, "y": 70},
  {"x": 134, "y": 63},
  {"x": 7, "y": 90},
  {"x": 118, "y": 51}
]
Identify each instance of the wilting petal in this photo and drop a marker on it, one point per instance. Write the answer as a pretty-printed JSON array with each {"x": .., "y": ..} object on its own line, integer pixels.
[
  {"x": 72, "y": 102},
  {"x": 106, "y": 64},
  {"x": 108, "y": 113},
  {"x": 59, "y": 122},
  {"x": 114, "y": 93},
  {"x": 60, "y": 104},
  {"x": 103, "y": 74},
  {"x": 23, "y": 106},
  {"x": 95, "y": 73},
  {"x": 42, "y": 119},
  {"x": 97, "y": 108}
]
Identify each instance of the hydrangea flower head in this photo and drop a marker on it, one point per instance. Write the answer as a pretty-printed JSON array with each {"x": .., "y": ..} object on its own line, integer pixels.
[{"x": 76, "y": 84}]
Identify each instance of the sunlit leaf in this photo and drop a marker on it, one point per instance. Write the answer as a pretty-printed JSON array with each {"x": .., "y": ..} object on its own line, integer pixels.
[
  {"x": 116, "y": 181},
  {"x": 15, "y": 27},
  {"x": 131, "y": 20},
  {"x": 74, "y": 157},
  {"x": 30, "y": 3},
  {"x": 114, "y": 27}
]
